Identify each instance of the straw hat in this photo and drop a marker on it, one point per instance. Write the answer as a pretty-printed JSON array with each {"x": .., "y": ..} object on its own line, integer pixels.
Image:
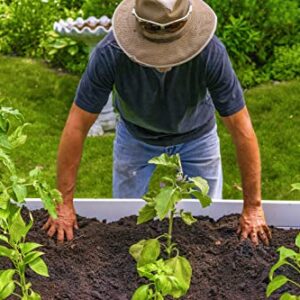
[{"x": 163, "y": 33}]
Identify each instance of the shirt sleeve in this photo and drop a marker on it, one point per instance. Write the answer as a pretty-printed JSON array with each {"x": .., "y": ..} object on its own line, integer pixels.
[
  {"x": 96, "y": 83},
  {"x": 222, "y": 82}
]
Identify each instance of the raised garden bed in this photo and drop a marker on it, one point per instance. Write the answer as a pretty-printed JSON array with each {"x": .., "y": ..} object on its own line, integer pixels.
[{"x": 97, "y": 265}]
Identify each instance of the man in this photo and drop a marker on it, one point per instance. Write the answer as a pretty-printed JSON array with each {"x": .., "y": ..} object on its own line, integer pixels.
[{"x": 169, "y": 73}]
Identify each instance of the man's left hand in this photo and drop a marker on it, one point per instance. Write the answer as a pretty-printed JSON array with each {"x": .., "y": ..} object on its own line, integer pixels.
[{"x": 253, "y": 225}]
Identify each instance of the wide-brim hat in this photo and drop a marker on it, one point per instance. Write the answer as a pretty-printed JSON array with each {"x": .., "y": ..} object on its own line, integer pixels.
[{"x": 198, "y": 31}]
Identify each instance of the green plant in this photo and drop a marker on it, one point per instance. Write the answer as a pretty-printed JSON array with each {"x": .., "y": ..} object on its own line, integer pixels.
[
  {"x": 287, "y": 257},
  {"x": 13, "y": 228},
  {"x": 172, "y": 275},
  {"x": 286, "y": 63}
]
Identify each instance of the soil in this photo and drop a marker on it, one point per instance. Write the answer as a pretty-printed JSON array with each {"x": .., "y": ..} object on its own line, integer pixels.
[{"x": 97, "y": 265}]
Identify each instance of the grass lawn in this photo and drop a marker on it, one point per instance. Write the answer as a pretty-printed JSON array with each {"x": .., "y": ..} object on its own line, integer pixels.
[{"x": 44, "y": 96}]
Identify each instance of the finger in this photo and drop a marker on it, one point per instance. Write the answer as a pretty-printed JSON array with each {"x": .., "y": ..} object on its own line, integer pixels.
[
  {"x": 60, "y": 235},
  {"x": 254, "y": 238},
  {"x": 239, "y": 230},
  {"x": 52, "y": 231},
  {"x": 268, "y": 232},
  {"x": 47, "y": 224},
  {"x": 263, "y": 236},
  {"x": 69, "y": 233},
  {"x": 244, "y": 235}
]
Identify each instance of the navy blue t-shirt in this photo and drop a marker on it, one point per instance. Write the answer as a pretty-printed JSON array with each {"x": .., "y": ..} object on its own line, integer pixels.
[{"x": 162, "y": 108}]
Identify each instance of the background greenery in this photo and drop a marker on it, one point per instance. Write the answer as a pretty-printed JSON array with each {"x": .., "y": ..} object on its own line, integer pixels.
[
  {"x": 44, "y": 96},
  {"x": 262, "y": 37}
]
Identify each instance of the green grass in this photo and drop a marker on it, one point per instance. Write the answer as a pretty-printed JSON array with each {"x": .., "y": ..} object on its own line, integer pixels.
[{"x": 44, "y": 96}]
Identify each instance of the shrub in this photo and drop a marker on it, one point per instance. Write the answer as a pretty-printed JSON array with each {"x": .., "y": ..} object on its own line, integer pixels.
[
  {"x": 99, "y": 8},
  {"x": 286, "y": 64},
  {"x": 25, "y": 24}
]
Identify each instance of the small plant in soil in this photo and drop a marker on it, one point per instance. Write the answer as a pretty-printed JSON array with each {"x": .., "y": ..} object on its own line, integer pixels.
[
  {"x": 159, "y": 259},
  {"x": 289, "y": 258},
  {"x": 13, "y": 227}
]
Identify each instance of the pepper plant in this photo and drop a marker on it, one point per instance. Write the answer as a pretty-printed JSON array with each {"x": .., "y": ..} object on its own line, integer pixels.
[
  {"x": 159, "y": 259},
  {"x": 13, "y": 227},
  {"x": 287, "y": 257}
]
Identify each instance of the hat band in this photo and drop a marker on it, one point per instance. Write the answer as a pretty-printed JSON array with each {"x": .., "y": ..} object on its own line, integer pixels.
[{"x": 163, "y": 25}]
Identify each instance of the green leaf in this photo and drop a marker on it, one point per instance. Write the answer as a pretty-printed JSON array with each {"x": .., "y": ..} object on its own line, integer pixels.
[
  {"x": 20, "y": 192},
  {"x": 12, "y": 112},
  {"x": 182, "y": 271},
  {"x": 204, "y": 200},
  {"x": 165, "y": 201},
  {"x": 142, "y": 293},
  {"x": 17, "y": 138},
  {"x": 297, "y": 241},
  {"x": 73, "y": 50},
  {"x": 187, "y": 217},
  {"x": 31, "y": 256},
  {"x": 275, "y": 267},
  {"x": 34, "y": 296},
  {"x": 164, "y": 284},
  {"x": 167, "y": 161},
  {"x": 288, "y": 296},
  {"x": 28, "y": 247},
  {"x": 7, "y": 290},
  {"x": 5, "y": 278},
  {"x": 275, "y": 284},
  {"x": 18, "y": 229},
  {"x": 146, "y": 214},
  {"x": 39, "y": 267},
  {"x": 48, "y": 202},
  {"x": 201, "y": 184},
  {"x": 150, "y": 252},
  {"x": 36, "y": 172},
  {"x": 7, "y": 162},
  {"x": 286, "y": 253},
  {"x": 3, "y": 238},
  {"x": 295, "y": 186},
  {"x": 4, "y": 199},
  {"x": 4, "y": 142},
  {"x": 4, "y": 251},
  {"x": 4, "y": 125}
]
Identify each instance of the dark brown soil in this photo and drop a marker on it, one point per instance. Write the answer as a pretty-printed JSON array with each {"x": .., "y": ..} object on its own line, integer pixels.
[{"x": 96, "y": 264}]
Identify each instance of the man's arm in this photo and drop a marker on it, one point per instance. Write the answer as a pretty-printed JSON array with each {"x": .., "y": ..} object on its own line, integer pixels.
[
  {"x": 69, "y": 155},
  {"x": 252, "y": 221}
]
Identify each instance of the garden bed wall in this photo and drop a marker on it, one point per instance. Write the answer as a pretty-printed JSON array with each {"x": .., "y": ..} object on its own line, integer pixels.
[{"x": 278, "y": 213}]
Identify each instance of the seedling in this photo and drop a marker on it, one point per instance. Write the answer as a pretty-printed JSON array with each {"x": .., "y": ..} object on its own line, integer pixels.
[
  {"x": 13, "y": 228},
  {"x": 168, "y": 272},
  {"x": 287, "y": 257}
]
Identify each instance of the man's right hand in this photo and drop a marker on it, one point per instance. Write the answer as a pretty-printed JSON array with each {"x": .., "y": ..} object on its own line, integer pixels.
[{"x": 64, "y": 225}]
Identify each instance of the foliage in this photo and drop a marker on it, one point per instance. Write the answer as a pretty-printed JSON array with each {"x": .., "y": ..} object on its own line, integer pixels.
[
  {"x": 171, "y": 276},
  {"x": 286, "y": 62},
  {"x": 24, "y": 25},
  {"x": 259, "y": 35},
  {"x": 13, "y": 228},
  {"x": 252, "y": 30},
  {"x": 287, "y": 257},
  {"x": 99, "y": 8}
]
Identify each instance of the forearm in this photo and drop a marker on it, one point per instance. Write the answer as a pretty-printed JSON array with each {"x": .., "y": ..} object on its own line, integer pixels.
[
  {"x": 248, "y": 158},
  {"x": 70, "y": 151},
  {"x": 69, "y": 155}
]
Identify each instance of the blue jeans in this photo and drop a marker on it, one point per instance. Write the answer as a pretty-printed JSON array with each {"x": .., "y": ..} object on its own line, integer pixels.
[{"x": 132, "y": 173}]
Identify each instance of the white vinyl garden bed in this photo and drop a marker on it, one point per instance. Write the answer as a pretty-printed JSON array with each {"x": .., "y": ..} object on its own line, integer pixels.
[{"x": 278, "y": 213}]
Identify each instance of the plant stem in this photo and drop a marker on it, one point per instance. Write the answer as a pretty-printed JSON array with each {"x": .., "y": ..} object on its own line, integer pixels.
[
  {"x": 295, "y": 283},
  {"x": 170, "y": 231}
]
